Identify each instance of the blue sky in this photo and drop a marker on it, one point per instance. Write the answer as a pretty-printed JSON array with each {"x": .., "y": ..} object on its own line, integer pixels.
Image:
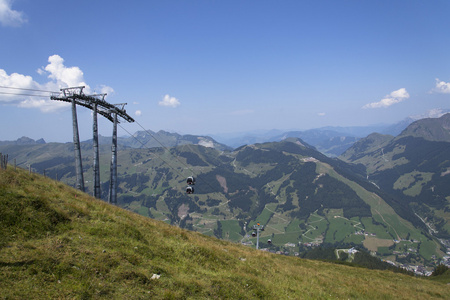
[{"x": 208, "y": 67}]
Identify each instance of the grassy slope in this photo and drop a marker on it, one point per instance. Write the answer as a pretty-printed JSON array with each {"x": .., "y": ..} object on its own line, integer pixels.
[
  {"x": 56, "y": 242},
  {"x": 147, "y": 163}
]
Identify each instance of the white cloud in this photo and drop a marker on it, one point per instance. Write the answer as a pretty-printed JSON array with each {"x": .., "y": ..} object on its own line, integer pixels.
[
  {"x": 23, "y": 87},
  {"x": 10, "y": 17},
  {"x": 393, "y": 98},
  {"x": 61, "y": 77},
  {"x": 321, "y": 114},
  {"x": 66, "y": 77},
  {"x": 169, "y": 101},
  {"x": 442, "y": 87},
  {"x": 138, "y": 113},
  {"x": 14, "y": 80}
]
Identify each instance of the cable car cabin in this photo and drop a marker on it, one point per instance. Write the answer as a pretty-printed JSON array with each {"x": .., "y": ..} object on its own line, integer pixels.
[
  {"x": 190, "y": 180},
  {"x": 189, "y": 190}
]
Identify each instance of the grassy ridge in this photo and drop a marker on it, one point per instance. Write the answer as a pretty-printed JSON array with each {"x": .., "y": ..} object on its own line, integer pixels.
[
  {"x": 56, "y": 242},
  {"x": 231, "y": 185}
]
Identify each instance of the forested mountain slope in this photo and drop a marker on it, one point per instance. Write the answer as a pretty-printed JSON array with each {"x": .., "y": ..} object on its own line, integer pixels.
[
  {"x": 302, "y": 197},
  {"x": 414, "y": 168}
]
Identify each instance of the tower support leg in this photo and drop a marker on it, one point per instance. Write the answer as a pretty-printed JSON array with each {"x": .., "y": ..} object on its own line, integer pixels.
[
  {"x": 257, "y": 239},
  {"x": 113, "y": 171},
  {"x": 77, "y": 149},
  {"x": 97, "y": 191}
]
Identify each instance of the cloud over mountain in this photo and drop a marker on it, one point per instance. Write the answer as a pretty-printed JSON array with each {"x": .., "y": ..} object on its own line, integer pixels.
[
  {"x": 441, "y": 87},
  {"x": 393, "y": 98}
]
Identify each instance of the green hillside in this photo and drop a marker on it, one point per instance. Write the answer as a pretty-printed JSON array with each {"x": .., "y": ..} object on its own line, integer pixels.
[
  {"x": 414, "y": 171},
  {"x": 431, "y": 129},
  {"x": 56, "y": 242},
  {"x": 302, "y": 197}
]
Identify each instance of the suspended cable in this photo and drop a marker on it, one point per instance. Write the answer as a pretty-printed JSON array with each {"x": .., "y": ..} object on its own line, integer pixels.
[
  {"x": 153, "y": 136},
  {"x": 143, "y": 144},
  {"x": 24, "y": 89},
  {"x": 149, "y": 149},
  {"x": 20, "y": 94},
  {"x": 176, "y": 157}
]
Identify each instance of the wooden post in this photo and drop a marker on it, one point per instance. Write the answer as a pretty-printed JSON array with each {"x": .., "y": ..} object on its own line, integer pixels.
[{"x": 3, "y": 161}]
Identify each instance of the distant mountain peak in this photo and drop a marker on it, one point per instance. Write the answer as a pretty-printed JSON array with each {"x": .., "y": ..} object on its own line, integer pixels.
[
  {"x": 150, "y": 139},
  {"x": 432, "y": 129},
  {"x": 23, "y": 141},
  {"x": 432, "y": 113},
  {"x": 297, "y": 141}
]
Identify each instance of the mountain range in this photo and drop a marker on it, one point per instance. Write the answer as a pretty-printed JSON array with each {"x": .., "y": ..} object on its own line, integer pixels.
[
  {"x": 331, "y": 141},
  {"x": 388, "y": 194}
]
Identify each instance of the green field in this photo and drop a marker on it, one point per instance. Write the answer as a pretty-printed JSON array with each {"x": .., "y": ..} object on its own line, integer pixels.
[
  {"x": 231, "y": 230},
  {"x": 411, "y": 183},
  {"x": 293, "y": 226},
  {"x": 379, "y": 231},
  {"x": 339, "y": 229}
]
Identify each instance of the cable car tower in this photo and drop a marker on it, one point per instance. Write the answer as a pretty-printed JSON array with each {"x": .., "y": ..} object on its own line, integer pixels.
[
  {"x": 111, "y": 112},
  {"x": 257, "y": 228}
]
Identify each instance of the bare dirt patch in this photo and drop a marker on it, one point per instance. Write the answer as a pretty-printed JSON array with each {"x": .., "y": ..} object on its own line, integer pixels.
[
  {"x": 183, "y": 210},
  {"x": 223, "y": 183},
  {"x": 372, "y": 243}
]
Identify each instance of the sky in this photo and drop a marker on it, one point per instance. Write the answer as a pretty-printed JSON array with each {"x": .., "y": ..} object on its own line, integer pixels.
[{"x": 211, "y": 67}]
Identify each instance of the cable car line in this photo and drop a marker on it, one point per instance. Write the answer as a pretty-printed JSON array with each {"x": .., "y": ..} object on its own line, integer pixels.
[
  {"x": 189, "y": 189},
  {"x": 176, "y": 157},
  {"x": 143, "y": 144},
  {"x": 167, "y": 149},
  {"x": 20, "y": 94},
  {"x": 190, "y": 180},
  {"x": 25, "y": 89}
]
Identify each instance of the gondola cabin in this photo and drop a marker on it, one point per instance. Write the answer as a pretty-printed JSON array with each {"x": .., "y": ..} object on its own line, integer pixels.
[
  {"x": 190, "y": 180},
  {"x": 189, "y": 189}
]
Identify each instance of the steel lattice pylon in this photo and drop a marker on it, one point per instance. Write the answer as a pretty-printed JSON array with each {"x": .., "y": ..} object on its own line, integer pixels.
[{"x": 110, "y": 111}]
